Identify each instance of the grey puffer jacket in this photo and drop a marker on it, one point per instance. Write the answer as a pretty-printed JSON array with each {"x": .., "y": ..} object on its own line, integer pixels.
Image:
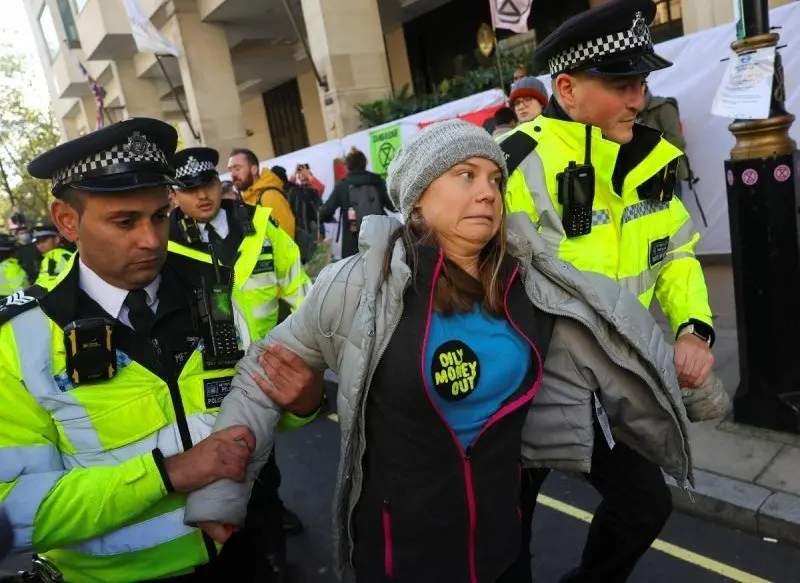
[{"x": 604, "y": 346}]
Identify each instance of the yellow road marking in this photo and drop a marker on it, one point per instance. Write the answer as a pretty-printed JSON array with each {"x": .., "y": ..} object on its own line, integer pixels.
[
  {"x": 665, "y": 547},
  {"x": 686, "y": 555}
]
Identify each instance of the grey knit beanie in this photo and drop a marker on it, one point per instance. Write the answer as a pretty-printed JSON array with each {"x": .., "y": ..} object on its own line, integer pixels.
[{"x": 431, "y": 153}]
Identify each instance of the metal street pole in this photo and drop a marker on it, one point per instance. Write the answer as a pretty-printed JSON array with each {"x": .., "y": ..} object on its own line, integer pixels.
[{"x": 763, "y": 203}]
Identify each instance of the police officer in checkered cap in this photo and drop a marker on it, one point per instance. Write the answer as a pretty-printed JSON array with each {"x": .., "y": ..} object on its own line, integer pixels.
[
  {"x": 600, "y": 187},
  {"x": 248, "y": 242},
  {"x": 131, "y": 371}
]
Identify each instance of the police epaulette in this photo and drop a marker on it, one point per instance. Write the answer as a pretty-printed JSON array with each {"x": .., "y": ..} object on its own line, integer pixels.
[
  {"x": 516, "y": 147},
  {"x": 20, "y": 302},
  {"x": 274, "y": 221}
]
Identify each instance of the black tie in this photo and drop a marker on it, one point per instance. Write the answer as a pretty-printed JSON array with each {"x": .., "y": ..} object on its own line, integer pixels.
[
  {"x": 139, "y": 313},
  {"x": 213, "y": 236}
]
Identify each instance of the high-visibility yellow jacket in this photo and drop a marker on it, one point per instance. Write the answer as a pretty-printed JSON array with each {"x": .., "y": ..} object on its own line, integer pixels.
[
  {"x": 646, "y": 245},
  {"x": 78, "y": 478},
  {"x": 53, "y": 263},
  {"x": 12, "y": 277},
  {"x": 268, "y": 268}
]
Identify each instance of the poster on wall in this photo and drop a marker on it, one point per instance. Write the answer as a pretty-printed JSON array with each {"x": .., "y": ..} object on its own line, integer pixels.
[{"x": 383, "y": 146}]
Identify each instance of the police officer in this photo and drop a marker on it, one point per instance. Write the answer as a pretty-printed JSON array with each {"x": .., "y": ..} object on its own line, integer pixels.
[
  {"x": 47, "y": 240},
  {"x": 601, "y": 190},
  {"x": 263, "y": 263},
  {"x": 12, "y": 275},
  {"x": 110, "y": 383}
]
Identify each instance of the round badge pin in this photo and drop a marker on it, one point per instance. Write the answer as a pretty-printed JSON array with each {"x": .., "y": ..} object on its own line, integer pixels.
[
  {"x": 750, "y": 177},
  {"x": 782, "y": 173}
]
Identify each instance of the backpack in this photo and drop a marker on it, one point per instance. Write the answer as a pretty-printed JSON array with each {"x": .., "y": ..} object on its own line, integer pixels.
[
  {"x": 365, "y": 199},
  {"x": 304, "y": 203}
]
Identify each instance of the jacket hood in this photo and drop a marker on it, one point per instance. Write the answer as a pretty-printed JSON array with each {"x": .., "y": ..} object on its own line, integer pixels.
[
  {"x": 653, "y": 101},
  {"x": 267, "y": 179}
]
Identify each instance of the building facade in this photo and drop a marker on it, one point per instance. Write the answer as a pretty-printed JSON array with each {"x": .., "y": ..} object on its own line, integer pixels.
[{"x": 244, "y": 76}]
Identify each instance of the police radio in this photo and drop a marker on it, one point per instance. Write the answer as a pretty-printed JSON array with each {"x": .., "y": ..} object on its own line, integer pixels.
[
  {"x": 90, "y": 350},
  {"x": 216, "y": 319},
  {"x": 576, "y": 193}
]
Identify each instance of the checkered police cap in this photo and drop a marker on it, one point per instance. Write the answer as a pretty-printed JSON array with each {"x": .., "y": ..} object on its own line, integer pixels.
[
  {"x": 137, "y": 148},
  {"x": 129, "y": 155},
  {"x": 193, "y": 167},
  {"x": 610, "y": 39},
  {"x": 596, "y": 50}
]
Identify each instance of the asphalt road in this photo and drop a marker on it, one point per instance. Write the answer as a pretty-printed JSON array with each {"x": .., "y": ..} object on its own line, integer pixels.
[{"x": 692, "y": 550}]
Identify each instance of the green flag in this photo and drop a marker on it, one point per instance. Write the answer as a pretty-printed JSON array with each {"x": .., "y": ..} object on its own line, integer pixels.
[{"x": 383, "y": 146}]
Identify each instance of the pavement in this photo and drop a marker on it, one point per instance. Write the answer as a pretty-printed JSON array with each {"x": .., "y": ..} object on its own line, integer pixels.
[{"x": 746, "y": 478}]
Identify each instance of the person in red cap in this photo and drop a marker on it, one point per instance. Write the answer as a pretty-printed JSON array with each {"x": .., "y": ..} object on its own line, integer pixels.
[{"x": 528, "y": 98}]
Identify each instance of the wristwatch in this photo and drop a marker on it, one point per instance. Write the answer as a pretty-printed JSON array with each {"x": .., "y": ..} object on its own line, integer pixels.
[{"x": 699, "y": 332}]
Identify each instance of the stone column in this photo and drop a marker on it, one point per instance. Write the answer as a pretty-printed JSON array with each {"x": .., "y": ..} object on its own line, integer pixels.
[
  {"x": 346, "y": 42},
  {"x": 208, "y": 79},
  {"x": 139, "y": 96}
]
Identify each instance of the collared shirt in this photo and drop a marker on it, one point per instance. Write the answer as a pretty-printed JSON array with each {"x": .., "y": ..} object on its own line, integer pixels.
[
  {"x": 220, "y": 224},
  {"x": 112, "y": 298}
]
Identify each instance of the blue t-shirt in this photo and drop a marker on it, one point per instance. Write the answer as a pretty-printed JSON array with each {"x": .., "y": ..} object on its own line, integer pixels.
[{"x": 474, "y": 363}]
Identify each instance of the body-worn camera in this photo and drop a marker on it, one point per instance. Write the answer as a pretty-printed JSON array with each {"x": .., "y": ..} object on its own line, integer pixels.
[{"x": 90, "y": 350}]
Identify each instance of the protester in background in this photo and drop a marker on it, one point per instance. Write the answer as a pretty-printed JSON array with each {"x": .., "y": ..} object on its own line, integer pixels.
[
  {"x": 662, "y": 114},
  {"x": 361, "y": 193},
  {"x": 505, "y": 121},
  {"x": 519, "y": 73},
  {"x": 304, "y": 177},
  {"x": 260, "y": 188},
  {"x": 12, "y": 276},
  {"x": 228, "y": 193},
  {"x": 528, "y": 98},
  {"x": 437, "y": 330},
  {"x": 305, "y": 202}
]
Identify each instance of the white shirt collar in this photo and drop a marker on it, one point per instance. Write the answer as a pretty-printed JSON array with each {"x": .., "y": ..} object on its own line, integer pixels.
[
  {"x": 109, "y": 297},
  {"x": 220, "y": 224}
]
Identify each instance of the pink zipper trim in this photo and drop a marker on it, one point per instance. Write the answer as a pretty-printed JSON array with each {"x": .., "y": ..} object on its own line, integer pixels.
[
  {"x": 528, "y": 396},
  {"x": 473, "y": 519},
  {"x": 388, "y": 556}
]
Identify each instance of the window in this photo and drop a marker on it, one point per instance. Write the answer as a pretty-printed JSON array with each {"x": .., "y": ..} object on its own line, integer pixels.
[
  {"x": 287, "y": 126},
  {"x": 668, "y": 22},
  {"x": 73, "y": 40},
  {"x": 78, "y": 5},
  {"x": 49, "y": 32}
]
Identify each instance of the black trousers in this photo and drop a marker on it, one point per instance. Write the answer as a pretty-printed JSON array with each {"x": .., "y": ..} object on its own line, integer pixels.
[{"x": 635, "y": 507}]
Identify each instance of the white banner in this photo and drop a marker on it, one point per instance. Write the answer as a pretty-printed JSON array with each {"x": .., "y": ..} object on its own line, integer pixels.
[
  {"x": 147, "y": 37},
  {"x": 510, "y": 14}
]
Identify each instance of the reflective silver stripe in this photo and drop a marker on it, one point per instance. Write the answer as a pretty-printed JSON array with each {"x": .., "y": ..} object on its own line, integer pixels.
[
  {"x": 600, "y": 217},
  {"x": 642, "y": 283},
  {"x": 167, "y": 439},
  {"x": 260, "y": 281},
  {"x": 643, "y": 209},
  {"x": 144, "y": 535},
  {"x": 550, "y": 224},
  {"x": 263, "y": 310},
  {"x": 682, "y": 236},
  {"x": 240, "y": 321},
  {"x": 23, "y": 502},
  {"x": 200, "y": 426},
  {"x": 32, "y": 336},
  {"x": 28, "y": 459}
]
